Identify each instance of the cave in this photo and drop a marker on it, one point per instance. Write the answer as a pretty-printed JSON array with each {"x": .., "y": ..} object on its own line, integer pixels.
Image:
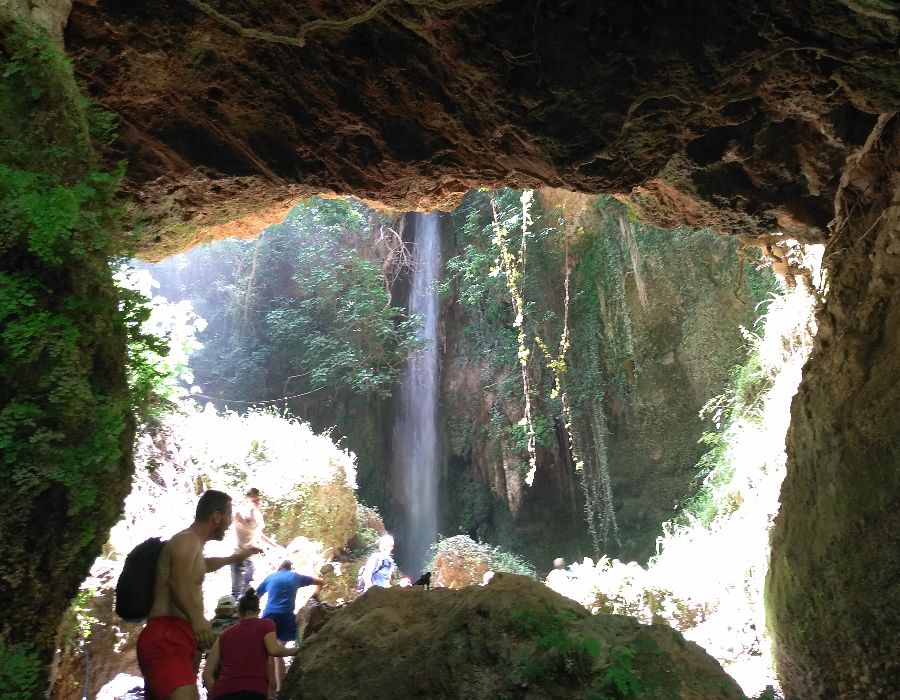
[{"x": 760, "y": 120}]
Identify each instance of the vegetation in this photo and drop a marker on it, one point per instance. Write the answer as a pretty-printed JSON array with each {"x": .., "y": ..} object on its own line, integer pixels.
[
  {"x": 20, "y": 672},
  {"x": 619, "y": 681},
  {"x": 307, "y": 485},
  {"x": 58, "y": 211},
  {"x": 301, "y": 319},
  {"x": 285, "y": 459},
  {"x": 724, "y": 609},
  {"x": 562, "y": 318},
  {"x": 501, "y": 277},
  {"x": 741, "y": 404},
  {"x": 558, "y": 651},
  {"x": 461, "y": 561},
  {"x": 65, "y": 425},
  {"x": 162, "y": 336},
  {"x": 295, "y": 311}
]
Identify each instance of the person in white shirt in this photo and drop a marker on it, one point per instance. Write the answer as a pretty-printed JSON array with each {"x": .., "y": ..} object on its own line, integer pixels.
[
  {"x": 558, "y": 579},
  {"x": 248, "y": 526},
  {"x": 379, "y": 566}
]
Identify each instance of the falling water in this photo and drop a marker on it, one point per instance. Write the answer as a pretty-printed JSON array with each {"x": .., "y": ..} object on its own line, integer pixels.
[{"x": 415, "y": 432}]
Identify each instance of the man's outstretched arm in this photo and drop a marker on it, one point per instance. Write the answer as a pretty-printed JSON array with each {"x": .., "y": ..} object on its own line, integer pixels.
[
  {"x": 216, "y": 563},
  {"x": 269, "y": 541}
]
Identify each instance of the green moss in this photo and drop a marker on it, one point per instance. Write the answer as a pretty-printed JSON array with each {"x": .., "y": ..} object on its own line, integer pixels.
[
  {"x": 557, "y": 649},
  {"x": 20, "y": 672},
  {"x": 65, "y": 424},
  {"x": 618, "y": 680},
  {"x": 56, "y": 230}
]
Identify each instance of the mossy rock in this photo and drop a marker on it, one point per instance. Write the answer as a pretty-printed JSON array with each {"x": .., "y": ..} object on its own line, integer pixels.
[
  {"x": 514, "y": 638},
  {"x": 65, "y": 424}
]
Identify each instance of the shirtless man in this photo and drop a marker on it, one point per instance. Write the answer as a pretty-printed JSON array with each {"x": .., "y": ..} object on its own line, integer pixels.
[{"x": 177, "y": 627}]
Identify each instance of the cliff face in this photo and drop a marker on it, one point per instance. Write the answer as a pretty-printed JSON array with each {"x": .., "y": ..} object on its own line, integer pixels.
[{"x": 653, "y": 323}]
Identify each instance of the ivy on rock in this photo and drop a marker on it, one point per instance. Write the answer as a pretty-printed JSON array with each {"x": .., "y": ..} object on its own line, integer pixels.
[{"x": 65, "y": 418}]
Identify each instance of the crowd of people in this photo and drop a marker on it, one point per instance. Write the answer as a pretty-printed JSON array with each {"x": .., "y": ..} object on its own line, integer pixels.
[{"x": 244, "y": 651}]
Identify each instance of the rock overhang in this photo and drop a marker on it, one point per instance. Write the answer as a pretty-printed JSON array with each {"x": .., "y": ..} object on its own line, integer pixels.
[{"x": 738, "y": 117}]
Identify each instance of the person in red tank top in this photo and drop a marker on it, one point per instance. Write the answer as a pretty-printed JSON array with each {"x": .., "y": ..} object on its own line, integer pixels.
[{"x": 237, "y": 667}]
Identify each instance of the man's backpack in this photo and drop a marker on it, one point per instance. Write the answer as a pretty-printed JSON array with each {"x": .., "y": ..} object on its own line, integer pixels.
[{"x": 137, "y": 582}]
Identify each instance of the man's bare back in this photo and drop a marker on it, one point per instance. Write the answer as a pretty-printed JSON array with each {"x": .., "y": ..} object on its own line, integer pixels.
[
  {"x": 167, "y": 647},
  {"x": 179, "y": 578}
]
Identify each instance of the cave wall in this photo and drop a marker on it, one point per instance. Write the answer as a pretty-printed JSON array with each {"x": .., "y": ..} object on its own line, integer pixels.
[
  {"x": 732, "y": 115},
  {"x": 834, "y": 603},
  {"x": 66, "y": 427}
]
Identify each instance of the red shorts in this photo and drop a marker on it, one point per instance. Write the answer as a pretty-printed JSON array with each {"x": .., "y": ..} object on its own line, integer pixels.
[{"x": 165, "y": 652}]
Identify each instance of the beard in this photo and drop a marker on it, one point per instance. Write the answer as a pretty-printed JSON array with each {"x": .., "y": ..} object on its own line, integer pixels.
[{"x": 219, "y": 534}]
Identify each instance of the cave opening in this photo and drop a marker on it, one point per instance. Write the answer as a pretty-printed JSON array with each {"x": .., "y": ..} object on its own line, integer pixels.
[
  {"x": 659, "y": 325},
  {"x": 759, "y": 122}
]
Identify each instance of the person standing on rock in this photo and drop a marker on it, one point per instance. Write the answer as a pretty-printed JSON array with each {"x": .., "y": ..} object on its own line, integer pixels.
[
  {"x": 559, "y": 578},
  {"x": 380, "y": 565},
  {"x": 168, "y": 648},
  {"x": 281, "y": 589},
  {"x": 248, "y": 526}
]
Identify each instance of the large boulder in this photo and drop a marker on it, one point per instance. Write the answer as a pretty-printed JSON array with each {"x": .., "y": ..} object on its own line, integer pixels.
[{"x": 512, "y": 638}]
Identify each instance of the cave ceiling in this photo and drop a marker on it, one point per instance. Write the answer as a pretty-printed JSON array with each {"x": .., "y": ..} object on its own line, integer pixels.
[{"x": 739, "y": 116}]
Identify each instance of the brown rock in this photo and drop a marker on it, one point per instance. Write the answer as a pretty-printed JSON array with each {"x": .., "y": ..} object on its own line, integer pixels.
[
  {"x": 514, "y": 638},
  {"x": 739, "y": 118}
]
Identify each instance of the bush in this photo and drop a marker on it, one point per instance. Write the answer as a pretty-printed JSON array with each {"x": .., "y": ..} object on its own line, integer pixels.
[
  {"x": 461, "y": 561},
  {"x": 20, "y": 672}
]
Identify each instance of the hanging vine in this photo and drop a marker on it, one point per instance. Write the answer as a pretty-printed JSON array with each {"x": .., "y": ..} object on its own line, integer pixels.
[
  {"x": 590, "y": 456},
  {"x": 581, "y": 402},
  {"x": 512, "y": 267}
]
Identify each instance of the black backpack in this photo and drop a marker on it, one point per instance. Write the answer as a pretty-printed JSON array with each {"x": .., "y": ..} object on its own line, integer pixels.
[{"x": 137, "y": 582}]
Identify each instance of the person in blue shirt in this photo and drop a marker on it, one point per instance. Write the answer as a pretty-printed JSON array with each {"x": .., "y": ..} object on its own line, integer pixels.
[{"x": 280, "y": 590}]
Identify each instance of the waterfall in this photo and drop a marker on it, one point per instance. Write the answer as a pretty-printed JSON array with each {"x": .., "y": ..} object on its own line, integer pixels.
[{"x": 415, "y": 430}]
